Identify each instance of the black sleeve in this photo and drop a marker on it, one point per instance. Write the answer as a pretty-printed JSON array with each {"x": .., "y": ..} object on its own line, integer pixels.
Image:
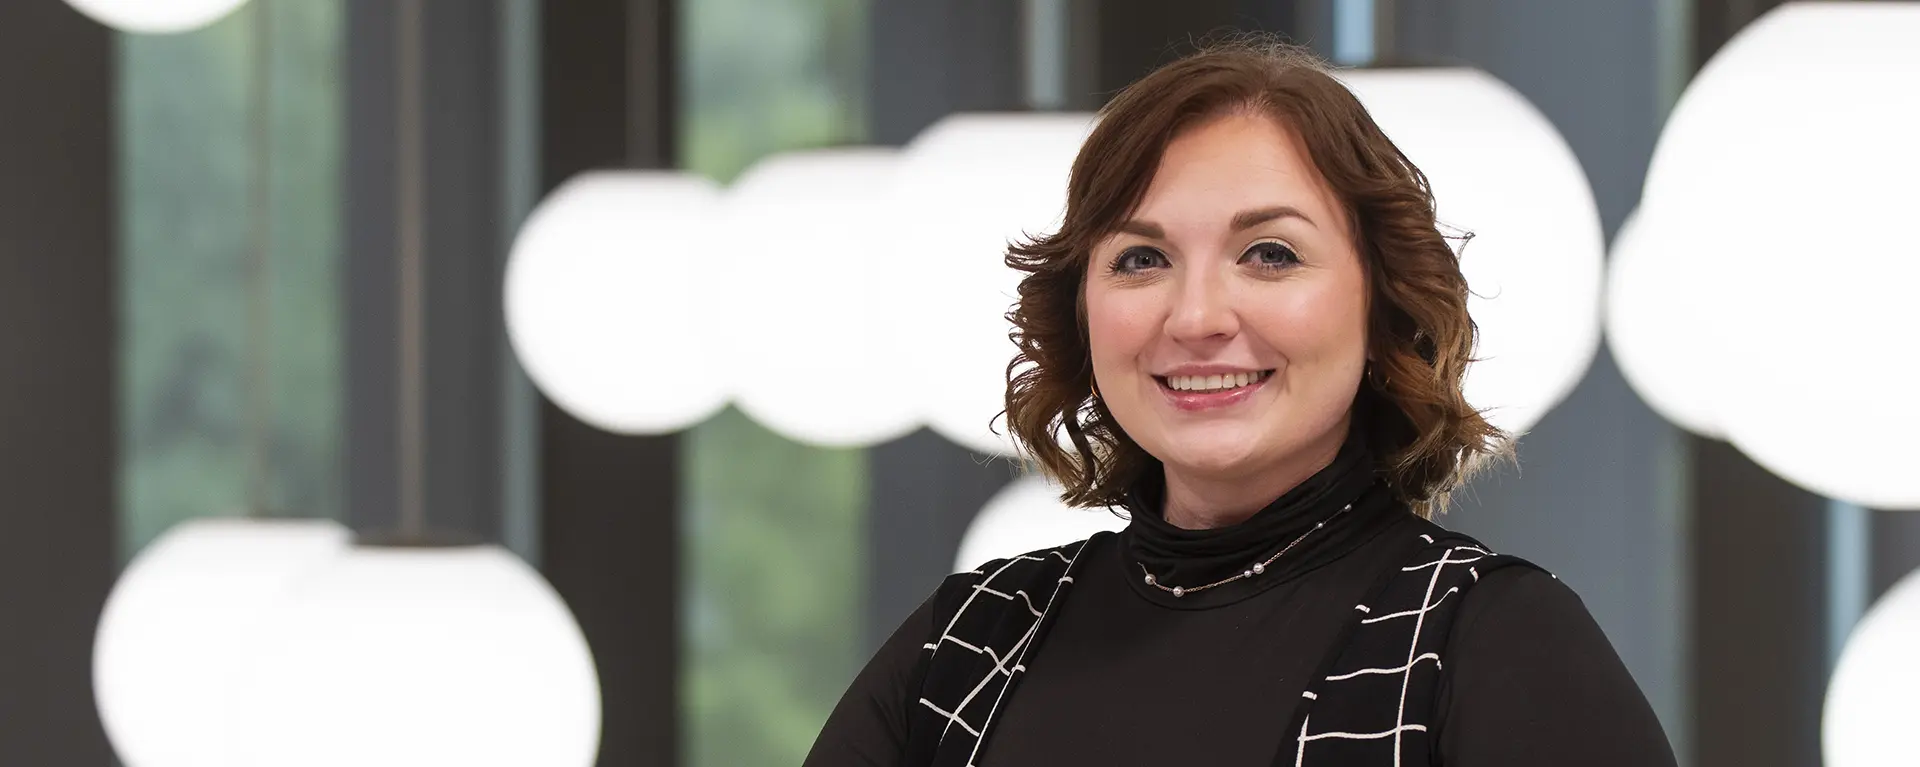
[
  {"x": 868, "y": 728},
  {"x": 1532, "y": 681}
]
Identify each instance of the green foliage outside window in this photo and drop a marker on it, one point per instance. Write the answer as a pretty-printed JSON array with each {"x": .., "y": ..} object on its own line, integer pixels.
[{"x": 186, "y": 157}]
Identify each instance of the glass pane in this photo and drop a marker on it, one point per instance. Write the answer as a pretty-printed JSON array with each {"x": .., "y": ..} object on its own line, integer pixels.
[
  {"x": 774, "y": 530},
  {"x": 186, "y": 116}
]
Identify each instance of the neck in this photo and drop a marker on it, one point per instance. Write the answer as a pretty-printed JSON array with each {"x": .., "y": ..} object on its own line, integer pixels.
[{"x": 1197, "y": 501}]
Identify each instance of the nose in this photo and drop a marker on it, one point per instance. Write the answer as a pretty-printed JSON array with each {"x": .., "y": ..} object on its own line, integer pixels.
[{"x": 1201, "y": 309}]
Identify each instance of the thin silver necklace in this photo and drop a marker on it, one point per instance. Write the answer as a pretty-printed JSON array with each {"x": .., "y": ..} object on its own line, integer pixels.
[{"x": 1258, "y": 568}]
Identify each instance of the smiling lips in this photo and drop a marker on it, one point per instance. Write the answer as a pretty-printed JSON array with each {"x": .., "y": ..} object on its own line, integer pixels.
[{"x": 1212, "y": 390}]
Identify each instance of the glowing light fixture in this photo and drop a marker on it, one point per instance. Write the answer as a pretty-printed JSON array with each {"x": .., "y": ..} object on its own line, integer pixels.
[
  {"x": 972, "y": 184},
  {"x": 1800, "y": 219},
  {"x": 1870, "y": 709},
  {"x": 156, "y": 17},
  {"x": 825, "y": 300},
  {"x": 165, "y": 676},
  {"x": 610, "y": 307}
]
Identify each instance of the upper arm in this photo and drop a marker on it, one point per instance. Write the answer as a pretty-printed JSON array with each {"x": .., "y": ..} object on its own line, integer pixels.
[
  {"x": 1532, "y": 680},
  {"x": 868, "y": 727}
]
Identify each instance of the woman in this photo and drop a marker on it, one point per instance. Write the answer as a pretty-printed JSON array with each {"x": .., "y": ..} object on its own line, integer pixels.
[{"x": 1253, "y": 335}]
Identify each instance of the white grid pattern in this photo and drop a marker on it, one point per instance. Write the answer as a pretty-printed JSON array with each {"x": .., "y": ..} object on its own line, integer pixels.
[
  {"x": 1449, "y": 569},
  {"x": 1006, "y": 662}
]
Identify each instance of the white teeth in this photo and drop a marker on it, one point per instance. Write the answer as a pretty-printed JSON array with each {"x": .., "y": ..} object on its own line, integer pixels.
[{"x": 1212, "y": 383}]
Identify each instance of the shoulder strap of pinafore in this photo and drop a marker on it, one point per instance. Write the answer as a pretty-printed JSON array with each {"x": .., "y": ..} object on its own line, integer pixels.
[
  {"x": 998, "y": 613},
  {"x": 1374, "y": 698}
]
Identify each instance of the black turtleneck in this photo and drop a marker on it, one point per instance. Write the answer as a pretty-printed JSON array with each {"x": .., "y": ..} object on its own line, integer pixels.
[{"x": 1132, "y": 675}]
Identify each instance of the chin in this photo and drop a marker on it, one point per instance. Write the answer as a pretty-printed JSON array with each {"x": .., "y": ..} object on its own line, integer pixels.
[{"x": 1214, "y": 453}]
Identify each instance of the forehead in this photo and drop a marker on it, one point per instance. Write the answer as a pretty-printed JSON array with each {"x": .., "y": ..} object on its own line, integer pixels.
[{"x": 1231, "y": 163}]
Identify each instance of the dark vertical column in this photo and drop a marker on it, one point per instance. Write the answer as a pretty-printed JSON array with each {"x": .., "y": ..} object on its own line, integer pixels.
[
  {"x": 465, "y": 317},
  {"x": 58, "y": 310},
  {"x": 463, "y": 280},
  {"x": 1760, "y": 597},
  {"x": 1760, "y": 569},
  {"x": 930, "y": 58},
  {"x": 609, "y": 503},
  {"x": 1132, "y": 37},
  {"x": 369, "y": 275}
]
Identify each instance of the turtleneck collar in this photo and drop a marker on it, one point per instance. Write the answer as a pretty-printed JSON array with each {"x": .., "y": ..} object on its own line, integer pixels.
[{"x": 1331, "y": 513}]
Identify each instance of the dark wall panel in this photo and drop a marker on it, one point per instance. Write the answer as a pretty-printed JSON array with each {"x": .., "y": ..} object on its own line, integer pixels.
[
  {"x": 609, "y": 504},
  {"x": 463, "y": 168},
  {"x": 58, "y": 318}
]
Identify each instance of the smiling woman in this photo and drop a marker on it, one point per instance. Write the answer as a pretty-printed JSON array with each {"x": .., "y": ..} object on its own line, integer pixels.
[
  {"x": 1249, "y": 215},
  {"x": 1254, "y": 336}
]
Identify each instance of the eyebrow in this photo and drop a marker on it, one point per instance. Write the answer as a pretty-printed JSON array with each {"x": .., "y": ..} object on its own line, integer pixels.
[{"x": 1242, "y": 221}]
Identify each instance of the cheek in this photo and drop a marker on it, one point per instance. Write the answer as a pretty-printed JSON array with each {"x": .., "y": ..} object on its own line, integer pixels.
[
  {"x": 1118, "y": 329},
  {"x": 1319, "y": 325}
]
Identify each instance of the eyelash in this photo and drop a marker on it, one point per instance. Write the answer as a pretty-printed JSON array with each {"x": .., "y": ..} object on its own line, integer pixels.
[{"x": 1291, "y": 258}]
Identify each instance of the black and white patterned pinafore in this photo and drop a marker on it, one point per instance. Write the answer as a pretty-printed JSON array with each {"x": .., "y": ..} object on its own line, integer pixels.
[{"x": 1369, "y": 704}]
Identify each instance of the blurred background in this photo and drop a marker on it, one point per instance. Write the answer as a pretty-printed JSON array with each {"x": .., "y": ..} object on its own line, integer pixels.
[{"x": 200, "y": 318}]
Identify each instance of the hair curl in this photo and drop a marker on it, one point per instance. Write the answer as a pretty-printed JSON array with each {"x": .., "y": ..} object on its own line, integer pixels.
[{"x": 1425, "y": 436}]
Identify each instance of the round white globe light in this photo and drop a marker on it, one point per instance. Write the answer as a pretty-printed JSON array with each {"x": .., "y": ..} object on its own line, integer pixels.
[
  {"x": 613, "y": 300},
  {"x": 1500, "y": 170},
  {"x": 1870, "y": 706},
  {"x": 823, "y": 299},
  {"x": 972, "y": 185},
  {"x": 1027, "y": 516},
  {"x": 1806, "y": 209},
  {"x": 408, "y": 656},
  {"x": 166, "y": 653},
  {"x": 156, "y": 17},
  {"x": 1663, "y": 314}
]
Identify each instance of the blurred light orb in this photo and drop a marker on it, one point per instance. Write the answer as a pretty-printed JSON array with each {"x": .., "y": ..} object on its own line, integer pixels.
[
  {"x": 973, "y": 184},
  {"x": 399, "y": 657},
  {"x": 1807, "y": 211},
  {"x": 613, "y": 294},
  {"x": 1027, "y": 516},
  {"x": 156, "y": 17},
  {"x": 1870, "y": 706},
  {"x": 1500, "y": 170},
  {"x": 825, "y": 302},
  {"x": 1662, "y": 321},
  {"x": 166, "y": 653}
]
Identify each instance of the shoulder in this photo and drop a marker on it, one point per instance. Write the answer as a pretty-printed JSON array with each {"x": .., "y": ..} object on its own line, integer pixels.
[
  {"x": 1508, "y": 593},
  {"x": 1513, "y": 610},
  {"x": 1031, "y": 575},
  {"x": 1058, "y": 559},
  {"x": 1524, "y": 655}
]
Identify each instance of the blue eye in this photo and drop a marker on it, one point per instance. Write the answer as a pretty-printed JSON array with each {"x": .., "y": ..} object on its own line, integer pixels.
[
  {"x": 1270, "y": 255},
  {"x": 1137, "y": 258}
]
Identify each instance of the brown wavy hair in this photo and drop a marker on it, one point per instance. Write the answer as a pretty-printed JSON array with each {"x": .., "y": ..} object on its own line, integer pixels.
[{"x": 1424, "y": 435}]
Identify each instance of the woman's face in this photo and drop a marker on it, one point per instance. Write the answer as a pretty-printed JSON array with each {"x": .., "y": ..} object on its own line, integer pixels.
[{"x": 1228, "y": 316}]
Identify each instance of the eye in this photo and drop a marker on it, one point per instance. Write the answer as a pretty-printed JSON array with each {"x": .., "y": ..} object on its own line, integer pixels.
[
  {"x": 1270, "y": 255},
  {"x": 1136, "y": 259}
]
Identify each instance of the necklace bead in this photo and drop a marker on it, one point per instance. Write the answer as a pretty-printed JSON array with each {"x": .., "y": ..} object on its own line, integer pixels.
[{"x": 1258, "y": 568}]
